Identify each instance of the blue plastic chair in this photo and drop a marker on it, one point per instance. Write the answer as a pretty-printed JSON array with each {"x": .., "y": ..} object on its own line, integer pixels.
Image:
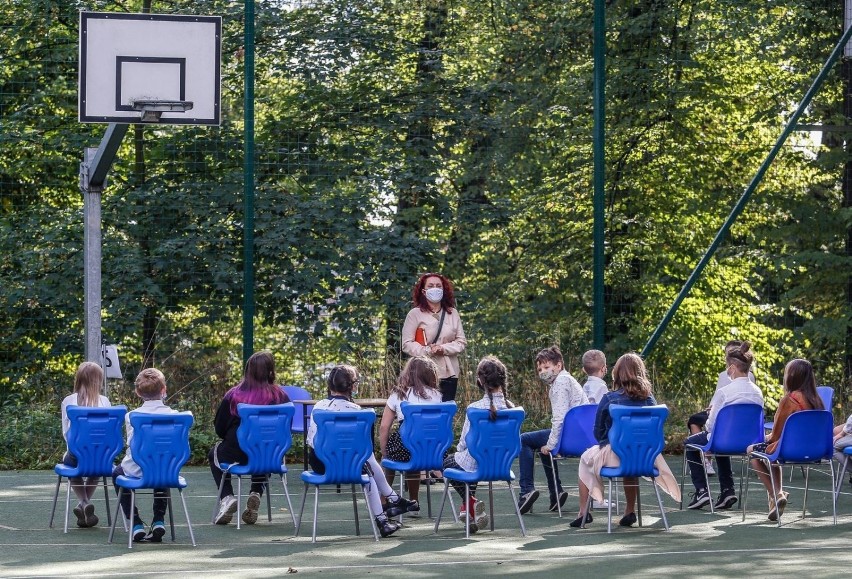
[
  {"x": 302, "y": 414},
  {"x": 427, "y": 432},
  {"x": 494, "y": 444},
  {"x": 578, "y": 435},
  {"x": 807, "y": 441},
  {"x": 343, "y": 443},
  {"x": 95, "y": 439},
  {"x": 637, "y": 438},
  {"x": 264, "y": 436},
  {"x": 737, "y": 426},
  {"x": 160, "y": 446},
  {"x": 826, "y": 394},
  {"x": 847, "y": 452}
]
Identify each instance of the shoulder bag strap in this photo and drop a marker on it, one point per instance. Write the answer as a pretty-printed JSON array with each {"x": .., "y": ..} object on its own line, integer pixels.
[{"x": 440, "y": 326}]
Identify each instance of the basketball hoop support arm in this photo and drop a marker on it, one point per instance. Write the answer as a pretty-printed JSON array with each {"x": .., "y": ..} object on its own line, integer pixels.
[{"x": 93, "y": 171}]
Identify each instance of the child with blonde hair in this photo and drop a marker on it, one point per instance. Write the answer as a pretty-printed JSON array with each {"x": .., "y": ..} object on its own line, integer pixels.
[
  {"x": 594, "y": 365},
  {"x": 151, "y": 388},
  {"x": 87, "y": 392}
]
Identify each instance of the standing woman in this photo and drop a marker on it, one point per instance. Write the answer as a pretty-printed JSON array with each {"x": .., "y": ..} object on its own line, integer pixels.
[
  {"x": 433, "y": 328},
  {"x": 258, "y": 386}
]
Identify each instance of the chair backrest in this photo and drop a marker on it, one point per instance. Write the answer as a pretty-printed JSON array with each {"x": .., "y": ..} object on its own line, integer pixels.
[
  {"x": 736, "y": 427},
  {"x": 807, "y": 437},
  {"x": 427, "y": 432},
  {"x": 636, "y": 436},
  {"x": 827, "y": 395},
  {"x": 264, "y": 435},
  {"x": 160, "y": 446},
  {"x": 494, "y": 444},
  {"x": 295, "y": 393},
  {"x": 96, "y": 437},
  {"x": 343, "y": 443},
  {"x": 578, "y": 430}
]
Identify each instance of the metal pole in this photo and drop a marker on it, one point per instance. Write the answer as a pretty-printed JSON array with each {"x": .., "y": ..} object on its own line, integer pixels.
[
  {"x": 738, "y": 208},
  {"x": 599, "y": 155},
  {"x": 248, "y": 187},
  {"x": 92, "y": 264}
]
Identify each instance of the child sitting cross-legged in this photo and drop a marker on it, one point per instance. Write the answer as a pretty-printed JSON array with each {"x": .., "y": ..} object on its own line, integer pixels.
[
  {"x": 151, "y": 388},
  {"x": 342, "y": 386}
]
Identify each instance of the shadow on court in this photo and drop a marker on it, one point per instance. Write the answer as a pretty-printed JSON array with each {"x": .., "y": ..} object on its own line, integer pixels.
[{"x": 719, "y": 545}]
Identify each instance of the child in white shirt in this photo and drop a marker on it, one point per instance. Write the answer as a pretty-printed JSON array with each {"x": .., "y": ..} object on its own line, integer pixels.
[{"x": 594, "y": 365}]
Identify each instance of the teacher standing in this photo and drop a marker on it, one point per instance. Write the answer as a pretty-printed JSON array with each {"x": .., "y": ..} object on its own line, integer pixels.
[{"x": 433, "y": 328}]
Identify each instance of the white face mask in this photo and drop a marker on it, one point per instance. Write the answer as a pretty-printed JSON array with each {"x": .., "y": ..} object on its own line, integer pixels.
[
  {"x": 547, "y": 376},
  {"x": 434, "y": 294}
]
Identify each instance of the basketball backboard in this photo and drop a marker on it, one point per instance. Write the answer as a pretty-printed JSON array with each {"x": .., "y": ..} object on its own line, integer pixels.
[{"x": 162, "y": 68}]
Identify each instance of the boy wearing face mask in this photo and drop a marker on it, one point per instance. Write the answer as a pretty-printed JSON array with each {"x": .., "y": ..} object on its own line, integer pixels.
[{"x": 564, "y": 393}]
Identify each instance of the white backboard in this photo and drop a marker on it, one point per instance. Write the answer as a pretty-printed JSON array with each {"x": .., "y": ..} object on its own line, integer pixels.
[{"x": 125, "y": 58}]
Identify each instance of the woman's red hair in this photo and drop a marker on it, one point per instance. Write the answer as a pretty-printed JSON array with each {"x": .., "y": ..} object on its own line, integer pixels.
[{"x": 418, "y": 297}]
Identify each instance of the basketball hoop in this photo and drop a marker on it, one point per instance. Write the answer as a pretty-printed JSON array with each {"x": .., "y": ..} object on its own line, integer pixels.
[{"x": 152, "y": 110}]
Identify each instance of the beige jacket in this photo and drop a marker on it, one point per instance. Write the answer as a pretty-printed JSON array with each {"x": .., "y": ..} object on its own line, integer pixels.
[{"x": 451, "y": 338}]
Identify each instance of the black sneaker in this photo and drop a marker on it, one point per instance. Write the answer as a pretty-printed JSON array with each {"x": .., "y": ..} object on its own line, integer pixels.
[
  {"x": 699, "y": 499},
  {"x": 579, "y": 522},
  {"x": 387, "y": 527},
  {"x": 563, "y": 496},
  {"x": 526, "y": 501},
  {"x": 395, "y": 508},
  {"x": 726, "y": 500}
]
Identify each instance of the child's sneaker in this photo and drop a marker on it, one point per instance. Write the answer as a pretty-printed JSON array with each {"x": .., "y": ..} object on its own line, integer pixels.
[
  {"x": 708, "y": 466},
  {"x": 91, "y": 517},
  {"x": 481, "y": 516},
  {"x": 139, "y": 532},
  {"x": 386, "y": 526},
  {"x": 81, "y": 516},
  {"x": 158, "y": 531},
  {"x": 252, "y": 506},
  {"x": 398, "y": 505},
  {"x": 227, "y": 508}
]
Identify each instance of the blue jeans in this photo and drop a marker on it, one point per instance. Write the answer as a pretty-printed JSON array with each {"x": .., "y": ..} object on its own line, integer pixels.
[
  {"x": 531, "y": 443},
  {"x": 696, "y": 466}
]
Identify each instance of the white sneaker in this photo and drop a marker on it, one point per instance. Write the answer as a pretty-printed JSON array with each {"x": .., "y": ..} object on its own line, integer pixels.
[
  {"x": 481, "y": 516},
  {"x": 708, "y": 466},
  {"x": 227, "y": 508},
  {"x": 604, "y": 504}
]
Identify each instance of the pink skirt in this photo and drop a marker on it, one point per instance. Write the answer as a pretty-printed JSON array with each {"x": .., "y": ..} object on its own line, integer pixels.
[{"x": 595, "y": 458}]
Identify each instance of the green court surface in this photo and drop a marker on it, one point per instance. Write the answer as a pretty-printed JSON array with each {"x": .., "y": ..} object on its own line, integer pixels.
[{"x": 699, "y": 543}]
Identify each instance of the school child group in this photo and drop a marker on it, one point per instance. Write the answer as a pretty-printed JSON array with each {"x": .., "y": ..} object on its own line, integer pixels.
[{"x": 433, "y": 338}]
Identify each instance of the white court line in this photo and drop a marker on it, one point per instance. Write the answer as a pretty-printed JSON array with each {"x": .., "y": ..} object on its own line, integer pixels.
[
  {"x": 9, "y": 528},
  {"x": 396, "y": 565}
]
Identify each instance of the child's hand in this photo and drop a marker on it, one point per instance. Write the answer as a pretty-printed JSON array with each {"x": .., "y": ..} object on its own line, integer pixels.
[{"x": 545, "y": 450}]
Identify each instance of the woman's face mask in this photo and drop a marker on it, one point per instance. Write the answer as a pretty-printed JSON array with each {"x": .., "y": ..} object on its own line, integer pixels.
[{"x": 435, "y": 294}]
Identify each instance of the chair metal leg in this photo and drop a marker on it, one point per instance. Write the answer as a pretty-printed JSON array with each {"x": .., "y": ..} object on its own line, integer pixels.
[
  {"x": 370, "y": 512},
  {"x": 443, "y": 502},
  {"x": 553, "y": 480},
  {"x": 132, "y": 510},
  {"x": 609, "y": 509},
  {"x": 702, "y": 458},
  {"x": 67, "y": 504},
  {"x": 833, "y": 496},
  {"x": 238, "y": 512},
  {"x": 807, "y": 471},
  {"x": 467, "y": 511},
  {"x": 268, "y": 500},
  {"x": 316, "y": 504},
  {"x": 55, "y": 498},
  {"x": 772, "y": 482},
  {"x": 744, "y": 494},
  {"x": 301, "y": 511},
  {"x": 743, "y": 472},
  {"x": 106, "y": 500},
  {"x": 639, "y": 501},
  {"x": 287, "y": 494},
  {"x": 171, "y": 512},
  {"x": 682, "y": 479},
  {"x": 115, "y": 518},
  {"x": 429, "y": 499},
  {"x": 517, "y": 511},
  {"x": 491, "y": 504},
  {"x": 660, "y": 502},
  {"x": 355, "y": 508},
  {"x": 218, "y": 498},
  {"x": 186, "y": 513}
]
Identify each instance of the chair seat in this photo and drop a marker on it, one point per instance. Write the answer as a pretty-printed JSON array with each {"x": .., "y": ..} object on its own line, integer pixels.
[
  {"x": 472, "y": 477},
  {"x": 775, "y": 459},
  {"x": 74, "y": 472},
  {"x": 847, "y": 450},
  {"x": 245, "y": 470},
  {"x": 133, "y": 483},
  {"x": 401, "y": 466},
  {"x": 616, "y": 471},
  {"x": 312, "y": 478}
]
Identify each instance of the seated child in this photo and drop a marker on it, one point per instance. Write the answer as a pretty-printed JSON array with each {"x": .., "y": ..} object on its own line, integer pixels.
[
  {"x": 87, "y": 392},
  {"x": 800, "y": 393},
  {"x": 842, "y": 439},
  {"x": 342, "y": 386},
  {"x": 564, "y": 393},
  {"x": 257, "y": 387},
  {"x": 418, "y": 384},
  {"x": 594, "y": 365},
  {"x": 491, "y": 377},
  {"x": 631, "y": 388},
  {"x": 151, "y": 388}
]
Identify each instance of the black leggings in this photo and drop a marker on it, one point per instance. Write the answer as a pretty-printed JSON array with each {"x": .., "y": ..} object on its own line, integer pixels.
[{"x": 448, "y": 387}]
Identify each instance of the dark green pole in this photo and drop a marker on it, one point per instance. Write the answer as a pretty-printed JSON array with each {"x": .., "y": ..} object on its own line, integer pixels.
[
  {"x": 248, "y": 187},
  {"x": 738, "y": 208},
  {"x": 599, "y": 160}
]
